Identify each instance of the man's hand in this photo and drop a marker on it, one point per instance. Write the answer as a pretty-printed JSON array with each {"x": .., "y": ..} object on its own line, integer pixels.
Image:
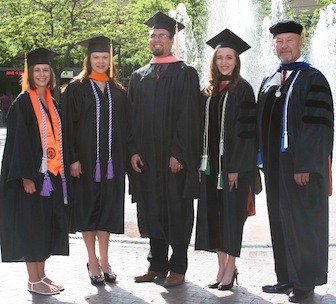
[
  {"x": 233, "y": 180},
  {"x": 135, "y": 161},
  {"x": 301, "y": 179}
]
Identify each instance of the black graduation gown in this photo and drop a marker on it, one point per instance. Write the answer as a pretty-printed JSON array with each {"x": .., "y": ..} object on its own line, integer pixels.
[
  {"x": 222, "y": 213},
  {"x": 166, "y": 122},
  {"x": 32, "y": 227},
  {"x": 298, "y": 214},
  {"x": 96, "y": 206}
]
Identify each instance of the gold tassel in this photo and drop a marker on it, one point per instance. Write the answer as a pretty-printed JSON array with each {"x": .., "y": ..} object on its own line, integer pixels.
[
  {"x": 24, "y": 79},
  {"x": 176, "y": 40},
  {"x": 111, "y": 59}
]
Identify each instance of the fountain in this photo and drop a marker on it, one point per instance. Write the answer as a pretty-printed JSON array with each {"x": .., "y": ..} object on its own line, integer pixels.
[
  {"x": 187, "y": 45},
  {"x": 228, "y": 14},
  {"x": 323, "y": 46},
  {"x": 261, "y": 61}
]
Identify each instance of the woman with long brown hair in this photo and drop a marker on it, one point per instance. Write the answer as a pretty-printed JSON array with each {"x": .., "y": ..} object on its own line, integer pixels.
[
  {"x": 229, "y": 158},
  {"x": 95, "y": 128}
]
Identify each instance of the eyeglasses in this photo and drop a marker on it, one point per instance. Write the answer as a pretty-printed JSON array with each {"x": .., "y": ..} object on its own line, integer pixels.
[{"x": 160, "y": 36}]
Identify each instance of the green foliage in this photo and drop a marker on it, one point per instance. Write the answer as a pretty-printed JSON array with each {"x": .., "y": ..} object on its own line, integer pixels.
[{"x": 59, "y": 24}]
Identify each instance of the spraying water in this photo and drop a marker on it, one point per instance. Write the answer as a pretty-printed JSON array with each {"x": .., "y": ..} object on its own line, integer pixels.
[
  {"x": 187, "y": 45},
  {"x": 323, "y": 46}
]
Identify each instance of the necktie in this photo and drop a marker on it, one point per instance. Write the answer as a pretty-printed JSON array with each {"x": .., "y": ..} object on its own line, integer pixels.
[
  {"x": 158, "y": 68},
  {"x": 283, "y": 76}
]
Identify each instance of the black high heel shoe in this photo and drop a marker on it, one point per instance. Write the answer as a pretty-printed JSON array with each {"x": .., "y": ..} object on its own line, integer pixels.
[
  {"x": 110, "y": 277},
  {"x": 213, "y": 285},
  {"x": 230, "y": 285},
  {"x": 95, "y": 280}
]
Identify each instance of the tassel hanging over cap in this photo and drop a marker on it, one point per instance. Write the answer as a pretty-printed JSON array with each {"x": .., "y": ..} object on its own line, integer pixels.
[
  {"x": 24, "y": 79},
  {"x": 176, "y": 40},
  {"x": 111, "y": 59}
]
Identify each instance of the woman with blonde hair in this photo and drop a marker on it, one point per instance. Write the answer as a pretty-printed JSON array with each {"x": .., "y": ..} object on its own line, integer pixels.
[{"x": 95, "y": 128}]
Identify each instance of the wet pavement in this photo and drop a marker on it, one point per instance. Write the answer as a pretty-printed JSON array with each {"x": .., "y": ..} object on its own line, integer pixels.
[{"x": 128, "y": 254}]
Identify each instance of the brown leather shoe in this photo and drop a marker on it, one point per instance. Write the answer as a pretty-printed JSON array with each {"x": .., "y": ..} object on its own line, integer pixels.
[
  {"x": 149, "y": 276},
  {"x": 174, "y": 279}
]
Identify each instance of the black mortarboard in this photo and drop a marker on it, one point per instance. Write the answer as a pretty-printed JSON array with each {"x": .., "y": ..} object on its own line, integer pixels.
[
  {"x": 97, "y": 44},
  {"x": 227, "y": 38},
  {"x": 100, "y": 44},
  {"x": 162, "y": 21},
  {"x": 288, "y": 26},
  {"x": 38, "y": 56}
]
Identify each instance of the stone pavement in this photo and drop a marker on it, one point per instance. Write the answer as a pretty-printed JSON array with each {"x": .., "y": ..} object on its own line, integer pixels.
[{"x": 128, "y": 258}]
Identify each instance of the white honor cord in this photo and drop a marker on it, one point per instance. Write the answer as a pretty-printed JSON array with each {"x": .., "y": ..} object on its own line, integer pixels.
[{"x": 285, "y": 113}]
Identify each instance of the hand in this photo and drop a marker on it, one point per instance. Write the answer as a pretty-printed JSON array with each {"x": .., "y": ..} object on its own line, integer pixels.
[
  {"x": 29, "y": 186},
  {"x": 233, "y": 180},
  {"x": 301, "y": 178},
  {"x": 76, "y": 169},
  {"x": 175, "y": 165},
  {"x": 135, "y": 161}
]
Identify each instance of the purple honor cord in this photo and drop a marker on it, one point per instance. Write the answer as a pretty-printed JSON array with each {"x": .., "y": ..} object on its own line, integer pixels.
[{"x": 97, "y": 173}]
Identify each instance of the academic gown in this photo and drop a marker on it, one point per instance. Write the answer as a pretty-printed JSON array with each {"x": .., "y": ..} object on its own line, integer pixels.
[
  {"x": 166, "y": 122},
  {"x": 298, "y": 214},
  {"x": 32, "y": 227},
  {"x": 97, "y": 206},
  {"x": 222, "y": 213}
]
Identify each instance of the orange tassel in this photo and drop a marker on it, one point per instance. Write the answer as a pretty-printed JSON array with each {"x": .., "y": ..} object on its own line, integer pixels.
[
  {"x": 24, "y": 79},
  {"x": 111, "y": 59}
]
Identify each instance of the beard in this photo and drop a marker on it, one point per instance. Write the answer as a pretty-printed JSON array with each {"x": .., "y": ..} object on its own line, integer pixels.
[{"x": 157, "y": 52}]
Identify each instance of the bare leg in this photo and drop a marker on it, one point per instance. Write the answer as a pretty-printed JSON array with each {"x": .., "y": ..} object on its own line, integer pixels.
[
  {"x": 103, "y": 241},
  {"x": 229, "y": 270},
  {"x": 222, "y": 263},
  {"x": 33, "y": 269},
  {"x": 42, "y": 275},
  {"x": 90, "y": 243}
]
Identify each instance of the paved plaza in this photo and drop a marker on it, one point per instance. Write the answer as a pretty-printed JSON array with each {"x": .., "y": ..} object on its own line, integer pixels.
[{"x": 128, "y": 254}]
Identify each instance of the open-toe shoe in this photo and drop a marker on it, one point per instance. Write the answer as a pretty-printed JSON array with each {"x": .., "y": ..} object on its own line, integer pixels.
[{"x": 32, "y": 289}]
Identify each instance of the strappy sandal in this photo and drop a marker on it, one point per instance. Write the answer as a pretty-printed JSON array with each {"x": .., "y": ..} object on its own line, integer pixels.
[
  {"x": 31, "y": 288},
  {"x": 110, "y": 276},
  {"x": 95, "y": 280},
  {"x": 60, "y": 287}
]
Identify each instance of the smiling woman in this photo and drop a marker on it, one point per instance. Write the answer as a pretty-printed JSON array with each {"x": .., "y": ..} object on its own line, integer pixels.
[{"x": 32, "y": 186}]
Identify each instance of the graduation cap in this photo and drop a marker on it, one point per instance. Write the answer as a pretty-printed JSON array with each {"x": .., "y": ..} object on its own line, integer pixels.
[
  {"x": 162, "y": 21},
  {"x": 287, "y": 26},
  {"x": 37, "y": 56},
  {"x": 100, "y": 44},
  {"x": 227, "y": 38}
]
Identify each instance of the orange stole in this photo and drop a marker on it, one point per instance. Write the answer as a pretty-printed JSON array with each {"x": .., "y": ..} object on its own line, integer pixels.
[
  {"x": 99, "y": 76},
  {"x": 54, "y": 163}
]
